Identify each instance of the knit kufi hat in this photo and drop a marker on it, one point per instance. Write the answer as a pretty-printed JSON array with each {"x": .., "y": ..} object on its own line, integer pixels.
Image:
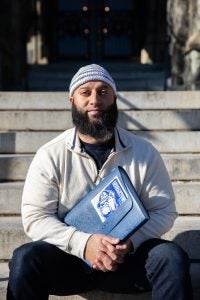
[{"x": 91, "y": 73}]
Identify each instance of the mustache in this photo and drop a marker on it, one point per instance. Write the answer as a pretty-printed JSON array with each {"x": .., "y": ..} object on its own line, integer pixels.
[
  {"x": 101, "y": 107},
  {"x": 99, "y": 128}
]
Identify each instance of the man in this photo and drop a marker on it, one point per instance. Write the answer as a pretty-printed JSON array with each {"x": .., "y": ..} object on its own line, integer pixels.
[{"x": 66, "y": 169}]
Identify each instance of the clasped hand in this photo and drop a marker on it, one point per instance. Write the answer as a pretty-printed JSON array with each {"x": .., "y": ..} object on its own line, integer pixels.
[{"x": 105, "y": 253}]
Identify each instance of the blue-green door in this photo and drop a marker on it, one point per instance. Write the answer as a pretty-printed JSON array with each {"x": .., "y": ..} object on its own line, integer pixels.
[{"x": 94, "y": 30}]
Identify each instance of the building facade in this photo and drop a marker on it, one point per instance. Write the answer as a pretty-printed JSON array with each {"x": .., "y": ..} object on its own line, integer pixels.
[{"x": 41, "y": 32}]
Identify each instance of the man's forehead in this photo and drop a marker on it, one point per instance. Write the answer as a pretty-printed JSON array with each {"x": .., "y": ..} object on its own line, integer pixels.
[
  {"x": 94, "y": 84},
  {"x": 90, "y": 73}
]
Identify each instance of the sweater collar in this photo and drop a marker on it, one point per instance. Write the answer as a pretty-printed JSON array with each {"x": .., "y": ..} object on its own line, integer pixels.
[{"x": 76, "y": 145}]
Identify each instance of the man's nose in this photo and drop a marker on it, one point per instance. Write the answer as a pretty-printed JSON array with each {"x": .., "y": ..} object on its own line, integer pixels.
[{"x": 95, "y": 98}]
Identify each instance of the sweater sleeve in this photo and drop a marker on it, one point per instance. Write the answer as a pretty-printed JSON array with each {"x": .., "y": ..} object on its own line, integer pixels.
[
  {"x": 40, "y": 208},
  {"x": 158, "y": 197}
]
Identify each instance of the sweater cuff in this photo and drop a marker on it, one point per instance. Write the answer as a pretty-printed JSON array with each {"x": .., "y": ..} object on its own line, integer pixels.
[
  {"x": 132, "y": 248},
  {"x": 136, "y": 241},
  {"x": 77, "y": 243}
]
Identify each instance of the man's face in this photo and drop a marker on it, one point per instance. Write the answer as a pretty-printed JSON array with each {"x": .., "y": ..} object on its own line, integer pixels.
[{"x": 94, "y": 109}]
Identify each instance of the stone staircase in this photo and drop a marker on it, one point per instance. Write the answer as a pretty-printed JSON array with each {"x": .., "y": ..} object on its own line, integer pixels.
[{"x": 170, "y": 120}]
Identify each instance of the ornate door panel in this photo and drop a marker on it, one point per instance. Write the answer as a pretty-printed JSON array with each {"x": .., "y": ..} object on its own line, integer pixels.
[
  {"x": 72, "y": 32},
  {"x": 117, "y": 28},
  {"x": 94, "y": 30}
]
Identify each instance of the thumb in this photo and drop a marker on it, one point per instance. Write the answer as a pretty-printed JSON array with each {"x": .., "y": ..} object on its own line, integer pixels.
[{"x": 111, "y": 240}]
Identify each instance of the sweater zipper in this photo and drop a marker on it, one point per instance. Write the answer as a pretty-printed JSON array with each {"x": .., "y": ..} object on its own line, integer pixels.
[
  {"x": 113, "y": 154},
  {"x": 98, "y": 177}
]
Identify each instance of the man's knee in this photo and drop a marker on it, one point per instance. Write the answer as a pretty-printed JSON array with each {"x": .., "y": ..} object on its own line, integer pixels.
[
  {"x": 171, "y": 252},
  {"x": 24, "y": 256},
  {"x": 170, "y": 257}
]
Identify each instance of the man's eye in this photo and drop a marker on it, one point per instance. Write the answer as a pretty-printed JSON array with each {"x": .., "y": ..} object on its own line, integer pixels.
[
  {"x": 103, "y": 92},
  {"x": 84, "y": 93}
]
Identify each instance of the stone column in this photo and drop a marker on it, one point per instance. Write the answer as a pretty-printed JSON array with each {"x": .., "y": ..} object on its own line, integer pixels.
[
  {"x": 184, "y": 30},
  {"x": 192, "y": 49},
  {"x": 5, "y": 45},
  {"x": 13, "y": 28},
  {"x": 19, "y": 27}
]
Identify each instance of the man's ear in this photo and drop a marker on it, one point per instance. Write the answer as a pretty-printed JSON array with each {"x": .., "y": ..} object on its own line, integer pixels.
[{"x": 71, "y": 99}]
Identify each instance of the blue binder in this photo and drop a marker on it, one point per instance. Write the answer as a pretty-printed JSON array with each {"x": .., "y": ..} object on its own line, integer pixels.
[{"x": 112, "y": 208}]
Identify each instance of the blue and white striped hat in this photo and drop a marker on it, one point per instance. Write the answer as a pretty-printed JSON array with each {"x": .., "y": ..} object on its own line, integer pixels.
[{"x": 91, "y": 72}]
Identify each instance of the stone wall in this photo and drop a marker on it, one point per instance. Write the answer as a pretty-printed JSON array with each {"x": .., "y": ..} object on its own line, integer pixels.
[
  {"x": 14, "y": 21},
  {"x": 184, "y": 30},
  {"x": 5, "y": 52}
]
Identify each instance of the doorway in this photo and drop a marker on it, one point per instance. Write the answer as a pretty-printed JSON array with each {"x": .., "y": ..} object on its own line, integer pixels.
[
  {"x": 100, "y": 30},
  {"x": 94, "y": 30}
]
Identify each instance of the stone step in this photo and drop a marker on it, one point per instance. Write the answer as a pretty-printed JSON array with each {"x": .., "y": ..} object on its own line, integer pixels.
[
  {"x": 140, "y": 83},
  {"x": 71, "y": 66},
  {"x": 187, "y": 197},
  {"x": 131, "y": 120},
  {"x": 98, "y": 295},
  {"x": 117, "y": 76},
  {"x": 10, "y": 198},
  {"x": 164, "y": 141},
  {"x": 183, "y": 167},
  {"x": 174, "y": 100},
  {"x": 123, "y": 74},
  {"x": 125, "y": 79},
  {"x": 173, "y": 141},
  {"x": 185, "y": 232},
  {"x": 14, "y": 167},
  {"x": 24, "y": 141},
  {"x": 11, "y": 236}
]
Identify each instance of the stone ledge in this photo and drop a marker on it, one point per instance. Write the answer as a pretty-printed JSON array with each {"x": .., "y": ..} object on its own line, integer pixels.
[
  {"x": 96, "y": 295},
  {"x": 184, "y": 167},
  {"x": 131, "y": 120},
  {"x": 99, "y": 295},
  {"x": 23, "y": 142},
  {"x": 126, "y": 100},
  {"x": 185, "y": 232},
  {"x": 187, "y": 197}
]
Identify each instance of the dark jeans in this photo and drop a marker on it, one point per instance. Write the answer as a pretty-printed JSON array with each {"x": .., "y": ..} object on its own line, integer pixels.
[{"x": 39, "y": 269}]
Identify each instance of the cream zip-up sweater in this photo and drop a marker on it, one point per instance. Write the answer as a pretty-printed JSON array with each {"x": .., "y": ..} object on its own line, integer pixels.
[{"x": 61, "y": 173}]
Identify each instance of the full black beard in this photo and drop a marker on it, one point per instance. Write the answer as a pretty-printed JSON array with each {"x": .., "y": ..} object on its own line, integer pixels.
[{"x": 101, "y": 128}]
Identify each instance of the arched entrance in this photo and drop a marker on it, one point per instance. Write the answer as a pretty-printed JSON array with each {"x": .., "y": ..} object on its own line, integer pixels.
[
  {"x": 127, "y": 36},
  {"x": 97, "y": 30},
  {"x": 91, "y": 30}
]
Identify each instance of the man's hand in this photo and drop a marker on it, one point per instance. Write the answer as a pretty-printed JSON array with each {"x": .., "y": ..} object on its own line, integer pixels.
[{"x": 105, "y": 253}]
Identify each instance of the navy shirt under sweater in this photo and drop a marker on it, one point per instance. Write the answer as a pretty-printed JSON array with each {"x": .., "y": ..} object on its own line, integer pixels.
[{"x": 99, "y": 152}]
